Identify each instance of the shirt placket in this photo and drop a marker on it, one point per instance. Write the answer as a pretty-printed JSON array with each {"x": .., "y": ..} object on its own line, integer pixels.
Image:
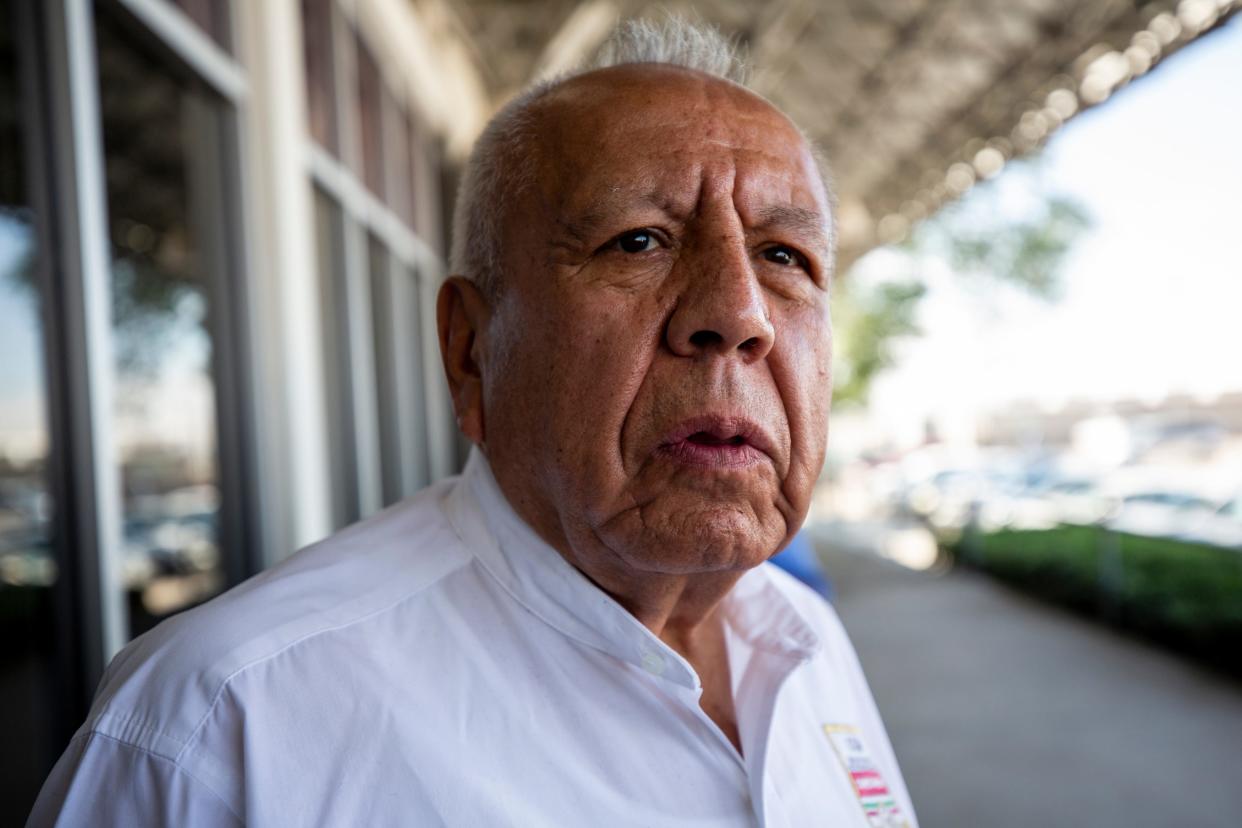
[
  {"x": 757, "y": 700},
  {"x": 659, "y": 661}
]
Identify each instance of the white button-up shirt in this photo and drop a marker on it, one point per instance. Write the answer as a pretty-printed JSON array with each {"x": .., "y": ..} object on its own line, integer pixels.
[{"x": 439, "y": 664}]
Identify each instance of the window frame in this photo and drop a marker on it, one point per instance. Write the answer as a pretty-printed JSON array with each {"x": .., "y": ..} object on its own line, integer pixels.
[
  {"x": 76, "y": 283},
  {"x": 424, "y": 434}
]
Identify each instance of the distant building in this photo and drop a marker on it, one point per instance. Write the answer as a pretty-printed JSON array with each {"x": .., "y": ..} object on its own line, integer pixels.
[{"x": 1180, "y": 425}]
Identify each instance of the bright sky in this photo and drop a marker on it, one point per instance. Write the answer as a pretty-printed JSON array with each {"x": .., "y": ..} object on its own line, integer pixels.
[{"x": 1153, "y": 299}]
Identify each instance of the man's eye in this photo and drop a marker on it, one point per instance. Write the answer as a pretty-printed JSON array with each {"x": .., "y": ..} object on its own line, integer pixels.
[
  {"x": 636, "y": 241},
  {"x": 782, "y": 256}
]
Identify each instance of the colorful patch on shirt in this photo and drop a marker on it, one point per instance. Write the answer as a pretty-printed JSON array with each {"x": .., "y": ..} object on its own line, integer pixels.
[{"x": 877, "y": 801}]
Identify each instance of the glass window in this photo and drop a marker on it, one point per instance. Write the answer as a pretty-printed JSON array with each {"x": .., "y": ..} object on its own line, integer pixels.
[
  {"x": 334, "y": 328},
  {"x": 386, "y": 386},
  {"x": 212, "y": 16},
  {"x": 371, "y": 145},
  {"x": 157, "y": 134},
  {"x": 27, "y": 568},
  {"x": 320, "y": 74},
  {"x": 400, "y": 396},
  {"x": 426, "y": 185},
  {"x": 412, "y": 345},
  {"x": 400, "y": 180}
]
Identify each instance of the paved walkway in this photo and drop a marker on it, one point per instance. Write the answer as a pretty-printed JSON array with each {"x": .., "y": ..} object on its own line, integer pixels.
[{"x": 1009, "y": 713}]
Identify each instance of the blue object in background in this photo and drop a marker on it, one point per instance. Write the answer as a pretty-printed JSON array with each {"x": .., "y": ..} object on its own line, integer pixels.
[{"x": 799, "y": 560}]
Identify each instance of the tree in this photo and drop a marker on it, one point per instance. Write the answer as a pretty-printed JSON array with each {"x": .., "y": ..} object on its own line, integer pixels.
[{"x": 989, "y": 237}]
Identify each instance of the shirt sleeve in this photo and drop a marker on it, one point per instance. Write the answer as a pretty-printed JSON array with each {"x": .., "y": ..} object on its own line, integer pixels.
[{"x": 100, "y": 781}]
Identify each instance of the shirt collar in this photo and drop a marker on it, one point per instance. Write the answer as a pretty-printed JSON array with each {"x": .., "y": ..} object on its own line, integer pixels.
[{"x": 539, "y": 578}]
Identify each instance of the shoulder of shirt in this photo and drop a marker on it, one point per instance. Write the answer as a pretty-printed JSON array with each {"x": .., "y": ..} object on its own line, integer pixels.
[{"x": 159, "y": 688}]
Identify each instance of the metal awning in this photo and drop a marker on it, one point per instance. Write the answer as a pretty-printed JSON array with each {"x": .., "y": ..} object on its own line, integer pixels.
[{"x": 913, "y": 100}]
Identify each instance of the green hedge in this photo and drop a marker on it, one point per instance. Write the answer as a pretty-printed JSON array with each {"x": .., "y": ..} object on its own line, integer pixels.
[{"x": 1186, "y": 595}]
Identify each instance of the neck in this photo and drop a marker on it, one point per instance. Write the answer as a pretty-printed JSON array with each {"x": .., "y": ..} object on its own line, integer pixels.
[
  {"x": 684, "y": 611},
  {"x": 681, "y": 609}
]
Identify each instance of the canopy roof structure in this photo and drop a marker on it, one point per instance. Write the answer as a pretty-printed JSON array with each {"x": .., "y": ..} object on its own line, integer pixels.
[{"x": 913, "y": 100}]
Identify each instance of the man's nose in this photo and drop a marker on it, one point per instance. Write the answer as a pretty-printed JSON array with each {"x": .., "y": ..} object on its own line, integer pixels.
[{"x": 722, "y": 308}]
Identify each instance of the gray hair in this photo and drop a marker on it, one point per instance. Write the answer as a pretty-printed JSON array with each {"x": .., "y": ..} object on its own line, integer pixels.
[{"x": 500, "y": 166}]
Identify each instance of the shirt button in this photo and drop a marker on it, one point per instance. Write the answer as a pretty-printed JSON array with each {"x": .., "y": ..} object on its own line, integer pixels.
[{"x": 653, "y": 662}]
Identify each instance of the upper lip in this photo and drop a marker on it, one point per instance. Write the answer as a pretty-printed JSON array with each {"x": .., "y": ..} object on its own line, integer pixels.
[{"x": 722, "y": 427}]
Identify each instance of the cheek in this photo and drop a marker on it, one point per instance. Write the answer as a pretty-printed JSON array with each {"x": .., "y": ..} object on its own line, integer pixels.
[
  {"x": 807, "y": 380},
  {"x": 577, "y": 366},
  {"x": 615, "y": 342}
]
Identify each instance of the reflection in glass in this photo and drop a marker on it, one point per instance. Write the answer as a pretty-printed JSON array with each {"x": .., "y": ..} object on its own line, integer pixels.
[
  {"x": 27, "y": 569},
  {"x": 155, "y": 131}
]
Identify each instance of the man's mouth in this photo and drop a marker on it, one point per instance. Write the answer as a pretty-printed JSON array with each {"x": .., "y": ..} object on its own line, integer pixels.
[
  {"x": 716, "y": 442},
  {"x": 706, "y": 438}
]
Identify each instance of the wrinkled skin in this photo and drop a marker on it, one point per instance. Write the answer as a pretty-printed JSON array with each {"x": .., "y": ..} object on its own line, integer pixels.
[{"x": 671, "y": 261}]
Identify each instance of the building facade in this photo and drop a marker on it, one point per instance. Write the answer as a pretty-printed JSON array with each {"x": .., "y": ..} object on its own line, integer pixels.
[{"x": 221, "y": 235}]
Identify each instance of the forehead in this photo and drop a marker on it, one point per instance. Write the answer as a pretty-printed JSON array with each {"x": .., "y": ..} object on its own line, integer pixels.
[{"x": 669, "y": 134}]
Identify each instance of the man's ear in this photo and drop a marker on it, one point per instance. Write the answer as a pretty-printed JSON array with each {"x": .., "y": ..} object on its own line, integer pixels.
[{"x": 462, "y": 314}]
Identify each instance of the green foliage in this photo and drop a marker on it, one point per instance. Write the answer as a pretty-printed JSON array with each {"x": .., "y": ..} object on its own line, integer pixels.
[
  {"x": 1184, "y": 594},
  {"x": 868, "y": 325},
  {"x": 984, "y": 239},
  {"x": 979, "y": 240}
]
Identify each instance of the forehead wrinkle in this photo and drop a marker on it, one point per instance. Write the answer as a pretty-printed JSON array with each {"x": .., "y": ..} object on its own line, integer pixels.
[
  {"x": 650, "y": 176},
  {"x": 605, "y": 206}
]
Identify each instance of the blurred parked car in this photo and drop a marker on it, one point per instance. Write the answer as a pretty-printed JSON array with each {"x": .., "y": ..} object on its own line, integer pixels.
[
  {"x": 1222, "y": 527},
  {"x": 1166, "y": 514}
]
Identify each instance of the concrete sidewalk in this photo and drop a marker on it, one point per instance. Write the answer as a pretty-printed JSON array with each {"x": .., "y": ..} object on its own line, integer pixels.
[{"x": 1006, "y": 712}]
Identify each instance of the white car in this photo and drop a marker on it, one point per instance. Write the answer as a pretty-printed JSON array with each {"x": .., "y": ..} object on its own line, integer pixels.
[
  {"x": 1220, "y": 528},
  {"x": 1162, "y": 514}
]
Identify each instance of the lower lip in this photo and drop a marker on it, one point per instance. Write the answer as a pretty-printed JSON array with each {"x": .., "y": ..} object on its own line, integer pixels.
[{"x": 708, "y": 456}]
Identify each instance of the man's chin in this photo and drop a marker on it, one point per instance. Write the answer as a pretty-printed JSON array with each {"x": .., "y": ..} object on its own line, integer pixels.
[{"x": 702, "y": 540}]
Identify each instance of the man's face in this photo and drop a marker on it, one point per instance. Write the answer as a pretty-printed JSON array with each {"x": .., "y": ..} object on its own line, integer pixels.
[{"x": 656, "y": 368}]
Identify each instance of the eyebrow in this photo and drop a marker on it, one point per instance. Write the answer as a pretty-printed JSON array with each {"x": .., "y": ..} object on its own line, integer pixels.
[
  {"x": 582, "y": 226},
  {"x": 800, "y": 219}
]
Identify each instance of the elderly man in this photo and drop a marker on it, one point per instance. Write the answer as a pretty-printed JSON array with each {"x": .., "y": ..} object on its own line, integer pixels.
[{"x": 582, "y": 627}]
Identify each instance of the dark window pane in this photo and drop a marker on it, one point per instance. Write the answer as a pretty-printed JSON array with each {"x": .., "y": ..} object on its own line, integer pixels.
[
  {"x": 320, "y": 79},
  {"x": 371, "y": 145},
  {"x": 334, "y": 330},
  {"x": 386, "y": 387},
  {"x": 399, "y": 179},
  {"x": 413, "y": 323},
  {"x": 426, "y": 186},
  {"x": 212, "y": 16},
  {"x": 400, "y": 395},
  {"x": 158, "y": 134},
  {"x": 27, "y": 568},
  {"x": 418, "y": 173}
]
